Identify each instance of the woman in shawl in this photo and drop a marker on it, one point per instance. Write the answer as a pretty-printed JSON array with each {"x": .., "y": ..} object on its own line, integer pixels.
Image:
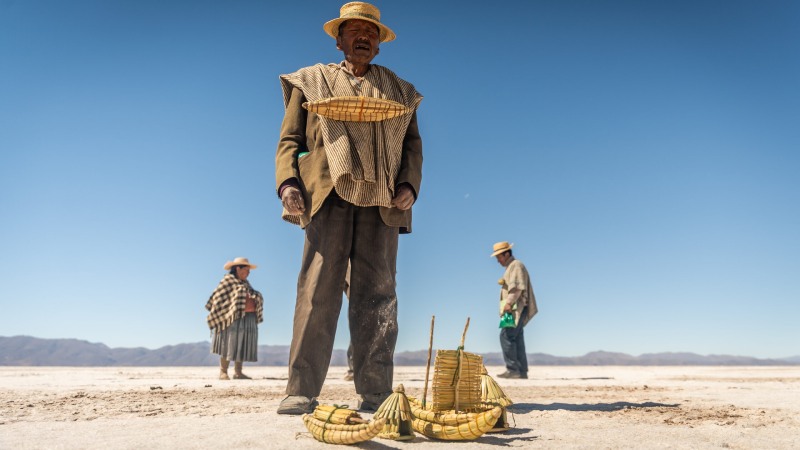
[{"x": 235, "y": 310}]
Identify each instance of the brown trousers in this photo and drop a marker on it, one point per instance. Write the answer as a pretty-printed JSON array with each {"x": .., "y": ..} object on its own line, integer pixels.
[{"x": 342, "y": 232}]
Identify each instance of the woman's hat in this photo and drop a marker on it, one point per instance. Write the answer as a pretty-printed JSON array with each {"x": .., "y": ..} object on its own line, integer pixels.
[
  {"x": 500, "y": 247},
  {"x": 361, "y": 11},
  {"x": 238, "y": 262}
]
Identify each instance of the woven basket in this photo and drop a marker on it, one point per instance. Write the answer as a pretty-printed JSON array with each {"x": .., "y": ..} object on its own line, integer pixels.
[
  {"x": 457, "y": 381},
  {"x": 357, "y": 109}
]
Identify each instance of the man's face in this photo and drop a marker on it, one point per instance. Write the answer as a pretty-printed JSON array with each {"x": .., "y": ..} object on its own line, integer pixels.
[
  {"x": 502, "y": 258},
  {"x": 359, "y": 40}
]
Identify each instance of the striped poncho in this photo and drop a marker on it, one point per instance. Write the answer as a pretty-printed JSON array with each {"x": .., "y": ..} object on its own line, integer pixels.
[
  {"x": 364, "y": 157},
  {"x": 227, "y": 302}
]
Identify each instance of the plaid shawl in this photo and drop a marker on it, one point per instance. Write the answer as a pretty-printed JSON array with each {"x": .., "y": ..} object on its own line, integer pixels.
[{"x": 226, "y": 303}]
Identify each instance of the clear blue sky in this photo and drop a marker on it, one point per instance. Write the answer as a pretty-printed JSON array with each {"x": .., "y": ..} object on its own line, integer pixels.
[{"x": 643, "y": 156}]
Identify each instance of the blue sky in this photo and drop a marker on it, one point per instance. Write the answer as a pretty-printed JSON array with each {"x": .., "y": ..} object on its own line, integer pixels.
[{"x": 642, "y": 156}]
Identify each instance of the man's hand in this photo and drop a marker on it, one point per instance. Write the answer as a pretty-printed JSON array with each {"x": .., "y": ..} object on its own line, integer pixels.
[
  {"x": 507, "y": 308},
  {"x": 403, "y": 197},
  {"x": 293, "y": 201}
]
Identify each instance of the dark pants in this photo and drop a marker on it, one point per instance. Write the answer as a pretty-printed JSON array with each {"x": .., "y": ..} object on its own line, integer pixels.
[
  {"x": 350, "y": 357},
  {"x": 340, "y": 232},
  {"x": 512, "y": 341}
]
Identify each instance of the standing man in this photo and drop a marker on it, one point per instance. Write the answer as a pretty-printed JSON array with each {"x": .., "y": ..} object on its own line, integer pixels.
[
  {"x": 516, "y": 297},
  {"x": 349, "y": 177}
]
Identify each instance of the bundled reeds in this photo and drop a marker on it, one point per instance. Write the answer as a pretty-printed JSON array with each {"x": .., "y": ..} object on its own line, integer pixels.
[
  {"x": 339, "y": 425},
  {"x": 492, "y": 396},
  {"x": 448, "y": 417},
  {"x": 457, "y": 379},
  {"x": 337, "y": 415},
  {"x": 397, "y": 413},
  {"x": 467, "y": 426},
  {"x": 491, "y": 393}
]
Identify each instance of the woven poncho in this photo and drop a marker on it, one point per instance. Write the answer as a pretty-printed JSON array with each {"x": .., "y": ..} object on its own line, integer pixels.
[
  {"x": 364, "y": 157},
  {"x": 227, "y": 302}
]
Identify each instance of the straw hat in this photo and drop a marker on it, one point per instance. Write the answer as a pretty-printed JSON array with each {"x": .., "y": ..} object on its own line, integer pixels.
[
  {"x": 238, "y": 262},
  {"x": 500, "y": 247},
  {"x": 361, "y": 11}
]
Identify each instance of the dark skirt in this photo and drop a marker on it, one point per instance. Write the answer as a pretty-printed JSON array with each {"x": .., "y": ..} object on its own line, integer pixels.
[{"x": 238, "y": 342}]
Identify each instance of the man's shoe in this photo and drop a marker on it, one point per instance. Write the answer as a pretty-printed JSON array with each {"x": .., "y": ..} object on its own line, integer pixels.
[
  {"x": 297, "y": 404},
  {"x": 510, "y": 374},
  {"x": 371, "y": 402}
]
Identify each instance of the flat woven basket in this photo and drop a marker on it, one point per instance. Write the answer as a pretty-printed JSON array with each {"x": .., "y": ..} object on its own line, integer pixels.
[
  {"x": 357, "y": 109},
  {"x": 457, "y": 381}
]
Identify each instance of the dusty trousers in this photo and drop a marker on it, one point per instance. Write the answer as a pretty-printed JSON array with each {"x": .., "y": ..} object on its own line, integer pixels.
[{"x": 342, "y": 232}]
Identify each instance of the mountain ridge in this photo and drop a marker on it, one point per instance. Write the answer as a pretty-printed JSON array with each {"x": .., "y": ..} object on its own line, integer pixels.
[{"x": 32, "y": 351}]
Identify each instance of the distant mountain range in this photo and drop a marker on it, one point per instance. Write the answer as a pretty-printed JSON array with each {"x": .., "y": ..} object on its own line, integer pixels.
[{"x": 31, "y": 351}]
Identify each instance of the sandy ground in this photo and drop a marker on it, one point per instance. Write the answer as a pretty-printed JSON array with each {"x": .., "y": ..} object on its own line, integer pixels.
[{"x": 558, "y": 407}]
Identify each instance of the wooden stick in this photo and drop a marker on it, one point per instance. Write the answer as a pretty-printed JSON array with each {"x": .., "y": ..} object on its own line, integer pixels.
[
  {"x": 460, "y": 364},
  {"x": 428, "y": 367},
  {"x": 464, "y": 336}
]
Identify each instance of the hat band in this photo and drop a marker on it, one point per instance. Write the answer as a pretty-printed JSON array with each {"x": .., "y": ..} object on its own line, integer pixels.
[{"x": 358, "y": 14}]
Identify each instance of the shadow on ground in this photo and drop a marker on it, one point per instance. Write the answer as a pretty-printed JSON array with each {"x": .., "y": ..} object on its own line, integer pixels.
[
  {"x": 521, "y": 408},
  {"x": 508, "y": 438}
]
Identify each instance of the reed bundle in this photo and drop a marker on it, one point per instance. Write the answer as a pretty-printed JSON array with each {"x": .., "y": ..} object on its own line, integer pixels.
[
  {"x": 337, "y": 415},
  {"x": 473, "y": 429},
  {"x": 336, "y": 433},
  {"x": 449, "y": 417},
  {"x": 457, "y": 381},
  {"x": 456, "y": 378},
  {"x": 397, "y": 412},
  {"x": 491, "y": 393}
]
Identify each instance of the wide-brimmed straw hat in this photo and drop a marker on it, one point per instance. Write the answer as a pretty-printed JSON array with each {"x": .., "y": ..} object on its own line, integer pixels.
[
  {"x": 361, "y": 11},
  {"x": 239, "y": 262},
  {"x": 500, "y": 247}
]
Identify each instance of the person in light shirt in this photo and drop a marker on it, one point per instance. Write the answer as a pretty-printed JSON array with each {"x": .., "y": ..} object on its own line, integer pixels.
[{"x": 517, "y": 298}]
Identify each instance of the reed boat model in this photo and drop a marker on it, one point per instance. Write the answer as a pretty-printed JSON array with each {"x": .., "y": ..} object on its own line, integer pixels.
[{"x": 456, "y": 412}]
